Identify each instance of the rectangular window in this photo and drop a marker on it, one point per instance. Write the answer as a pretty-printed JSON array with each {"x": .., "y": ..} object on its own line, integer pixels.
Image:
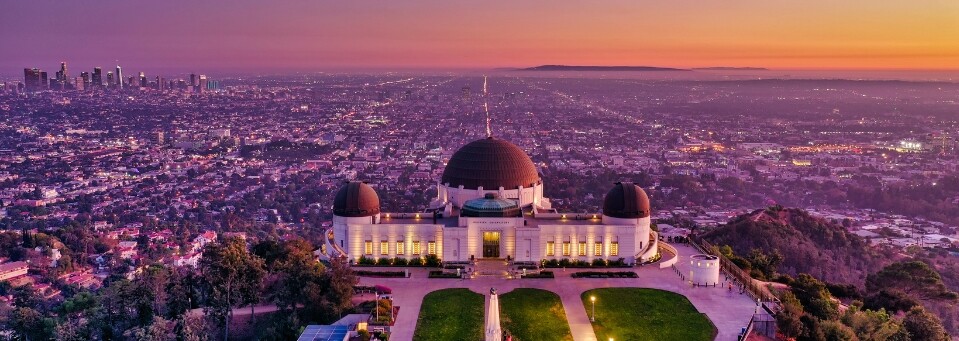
[
  {"x": 550, "y": 249},
  {"x": 598, "y": 249},
  {"x": 400, "y": 247},
  {"x": 582, "y": 248},
  {"x": 384, "y": 248},
  {"x": 431, "y": 248},
  {"x": 566, "y": 248},
  {"x": 614, "y": 249},
  {"x": 368, "y": 247},
  {"x": 416, "y": 247}
]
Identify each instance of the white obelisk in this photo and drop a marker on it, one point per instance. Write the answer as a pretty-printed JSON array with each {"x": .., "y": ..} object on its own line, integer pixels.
[{"x": 493, "y": 330}]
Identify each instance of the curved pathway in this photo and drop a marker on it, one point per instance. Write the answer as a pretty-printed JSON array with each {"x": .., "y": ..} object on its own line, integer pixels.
[{"x": 728, "y": 311}]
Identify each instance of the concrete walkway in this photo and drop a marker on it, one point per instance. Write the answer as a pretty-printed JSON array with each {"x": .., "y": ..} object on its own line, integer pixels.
[{"x": 728, "y": 311}]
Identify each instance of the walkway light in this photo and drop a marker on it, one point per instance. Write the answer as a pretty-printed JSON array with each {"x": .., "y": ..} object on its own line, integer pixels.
[{"x": 593, "y": 299}]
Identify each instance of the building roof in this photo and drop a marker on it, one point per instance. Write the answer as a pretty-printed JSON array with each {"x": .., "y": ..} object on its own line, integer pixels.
[
  {"x": 324, "y": 333},
  {"x": 491, "y": 205},
  {"x": 12, "y": 266},
  {"x": 356, "y": 199},
  {"x": 626, "y": 200},
  {"x": 490, "y": 163}
]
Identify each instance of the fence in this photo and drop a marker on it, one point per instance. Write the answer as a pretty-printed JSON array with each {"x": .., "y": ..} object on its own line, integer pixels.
[{"x": 754, "y": 289}]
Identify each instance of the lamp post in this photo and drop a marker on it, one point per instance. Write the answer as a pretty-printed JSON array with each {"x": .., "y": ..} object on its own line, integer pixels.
[{"x": 593, "y": 299}]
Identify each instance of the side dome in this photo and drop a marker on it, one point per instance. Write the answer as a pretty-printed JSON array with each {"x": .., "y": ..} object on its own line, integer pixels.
[
  {"x": 626, "y": 200},
  {"x": 490, "y": 163},
  {"x": 490, "y": 206},
  {"x": 356, "y": 199}
]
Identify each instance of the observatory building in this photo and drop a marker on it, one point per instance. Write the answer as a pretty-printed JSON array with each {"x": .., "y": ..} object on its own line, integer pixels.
[{"x": 490, "y": 204}]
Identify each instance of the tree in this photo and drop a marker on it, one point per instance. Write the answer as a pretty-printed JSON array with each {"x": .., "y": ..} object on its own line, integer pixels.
[
  {"x": 788, "y": 318},
  {"x": 223, "y": 268},
  {"x": 814, "y": 296},
  {"x": 923, "y": 325},
  {"x": 29, "y": 324},
  {"x": 836, "y": 331},
  {"x": 893, "y": 300},
  {"x": 915, "y": 278},
  {"x": 341, "y": 280},
  {"x": 874, "y": 325},
  {"x": 158, "y": 330},
  {"x": 298, "y": 278},
  {"x": 73, "y": 329},
  {"x": 179, "y": 293},
  {"x": 191, "y": 328}
]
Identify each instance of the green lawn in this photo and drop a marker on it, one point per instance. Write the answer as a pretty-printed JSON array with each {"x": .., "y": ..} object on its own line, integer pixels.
[
  {"x": 534, "y": 314},
  {"x": 451, "y": 314},
  {"x": 646, "y": 314}
]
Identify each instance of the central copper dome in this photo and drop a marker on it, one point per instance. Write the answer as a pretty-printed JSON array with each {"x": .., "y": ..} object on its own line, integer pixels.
[{"x": 490, "y": 163}]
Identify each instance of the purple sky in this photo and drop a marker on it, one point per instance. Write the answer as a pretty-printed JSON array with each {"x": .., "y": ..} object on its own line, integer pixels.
[{"x": 314, "y": 35}]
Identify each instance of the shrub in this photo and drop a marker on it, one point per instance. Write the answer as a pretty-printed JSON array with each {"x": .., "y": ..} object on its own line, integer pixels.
[
  {"x": 366, "y": 261},
  {"x": 383, "y": 261},
  {"x": 441, "y": 274},
  {"x": 598, "y": 262},
  {"x": 542, "y": 274},
  {"x": 400, "y": 261},
  {"x": 605, "y": 274},
  {"x": 432, "y": 261},
  {"x": 416, "y": 261},
  {"x": 366, "y": 273}
]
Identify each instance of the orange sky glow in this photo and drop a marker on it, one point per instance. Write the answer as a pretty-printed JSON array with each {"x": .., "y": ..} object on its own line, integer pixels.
[{"x": 814, "y": 34}]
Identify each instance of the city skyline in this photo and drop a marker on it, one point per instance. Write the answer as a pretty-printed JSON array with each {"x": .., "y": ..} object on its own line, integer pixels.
[{"x": 300, "y": 36}]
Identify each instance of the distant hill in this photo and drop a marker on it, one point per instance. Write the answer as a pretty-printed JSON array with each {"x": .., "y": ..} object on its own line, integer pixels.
[
  {"x": 808, "y": 244},
  {"x": 597, "y": 68},
  {"x": 730, "y": 68}
]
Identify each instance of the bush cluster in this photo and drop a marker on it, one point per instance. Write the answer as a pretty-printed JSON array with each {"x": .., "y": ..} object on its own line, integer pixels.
[{"x": 576, "y": 263}]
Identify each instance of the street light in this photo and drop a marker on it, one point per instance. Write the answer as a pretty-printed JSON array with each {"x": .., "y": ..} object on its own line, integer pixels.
[{"x": 593, "y": 318}]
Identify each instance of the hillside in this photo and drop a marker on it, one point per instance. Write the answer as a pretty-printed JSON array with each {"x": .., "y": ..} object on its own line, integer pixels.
[{"x": 808, "y": 244}]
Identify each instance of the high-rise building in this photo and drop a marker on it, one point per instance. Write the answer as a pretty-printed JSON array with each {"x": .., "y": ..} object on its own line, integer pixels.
[
  {"x": 84, "y": 80},
  {"x": 194, "y": 82},
  {"x": 62, "y": 74},
  {"x": 31, "y": 79},
  {"x": 79, "y": 83},
  {"x": 110, "y": 82},
  {"x": 97, "y": 78},
  {"x": 201, "y": 86},
  {"x": 119, "y": 78},
  {"x": 44, "y": 82},
  {"x": 143, "y": 80},
  {"x": 160, "y": 86}
]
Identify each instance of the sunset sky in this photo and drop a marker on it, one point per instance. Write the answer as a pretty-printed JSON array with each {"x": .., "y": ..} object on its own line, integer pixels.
[{"x": 326, "y": 35}]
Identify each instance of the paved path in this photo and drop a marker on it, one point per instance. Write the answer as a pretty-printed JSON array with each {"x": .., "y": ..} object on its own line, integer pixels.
[{"x": 728, "y": 311}]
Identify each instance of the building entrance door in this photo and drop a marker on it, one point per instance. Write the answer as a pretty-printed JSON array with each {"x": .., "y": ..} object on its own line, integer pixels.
[{"x": 491, "y": 244}]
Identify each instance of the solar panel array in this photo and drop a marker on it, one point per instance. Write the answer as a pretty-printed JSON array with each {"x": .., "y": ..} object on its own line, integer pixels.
[{"x": 324, "y": 333}]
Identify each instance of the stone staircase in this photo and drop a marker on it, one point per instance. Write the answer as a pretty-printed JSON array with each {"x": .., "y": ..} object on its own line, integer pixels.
[{"x": 491, "y": 268}]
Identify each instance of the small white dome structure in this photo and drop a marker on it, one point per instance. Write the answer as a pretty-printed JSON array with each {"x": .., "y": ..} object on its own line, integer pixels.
[{"x": 705, "y": 270}]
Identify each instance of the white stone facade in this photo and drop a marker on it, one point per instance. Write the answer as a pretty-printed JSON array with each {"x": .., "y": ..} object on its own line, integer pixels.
[{"x": 525, "y": 238}]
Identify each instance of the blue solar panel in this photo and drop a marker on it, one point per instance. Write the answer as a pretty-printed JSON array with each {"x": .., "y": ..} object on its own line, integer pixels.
[{"x": 324, "y": 333}]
